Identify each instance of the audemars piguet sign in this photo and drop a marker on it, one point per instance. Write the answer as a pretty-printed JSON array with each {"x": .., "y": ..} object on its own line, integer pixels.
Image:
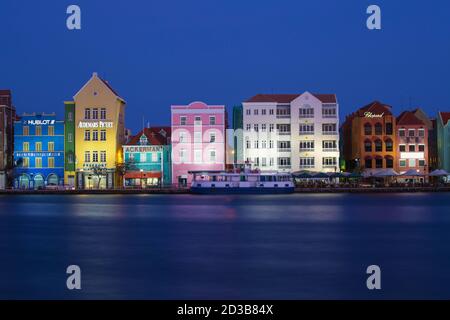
[{"x": 96, "y": 124}]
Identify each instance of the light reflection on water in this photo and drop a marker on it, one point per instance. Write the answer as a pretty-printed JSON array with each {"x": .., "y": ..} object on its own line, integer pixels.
[{"x": 184, "y": 246}]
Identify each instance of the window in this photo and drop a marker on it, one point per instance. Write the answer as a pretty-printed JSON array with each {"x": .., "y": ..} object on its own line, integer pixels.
[
  {"x": 284, "y": 162},
  {"x": 212, "y": 137},
  {"x": 212, "y": 120},
  {"x": 329, "y": 112},
  {"x": 248, "y": 127},
  {"x": 271, "y": 111},
  {"x": 256, "y": 161},
  {"x": 368, "y": 146},
  {"x": 95, "y": 135},
  {"x": 401, "y": 132},
  {"x": 212, "y": 155},
  {"x": 51, "y": 162},
  {"x": 255, "y": 127},
  {"x": 154, "y": 156},
  {"x": 412, "y": 163},
  {"x": 421, "y": 147},
  {"x": 87, "y": 135},
  {"x": 26, "y": 162},
  {"x": 284, "y": 129},
  {"x": 102, "y": 156},
  {"x": 263, "y": 127},
  {"x": 255, "y": 112},
  {"x": 264, "y": 144},
  {"x": 38, "y": 131},
  {"x": 197, "y": 137},
  {"x": 256, "y": 144},
  {"x": 329, "y": 161},
  {"x": 284, "y": 145},
  {"x": 103, "y": 135},
  {"x": 247, "y": 144},
  {"x": 306, "y": 112},
  {"x": 87, "y": 113},
  {"x": 51, "y": 130},
  {"x": 87, "y": 156},
  {"x": 411, "y": 133},
  {"x": 402, "y": 148},
  {"x": 412, "y": 148},
  {"x": 197, "y": 156},
  {"x": 198, "y": 120},
  {"x": 271, "y": 127},
  {"x": 421, "y": 163},
  {"x": 306, "y": 128},
  {"x": 271, "y": 162},
  {"x": 378, "y": 146},
  {"x": 51, "y": 146},
  {"x": 182, "y": 137},
  {"x": 329, "y": 145},
  {"x": 247, "y": 112},
  {"x": 402, "y": 163},
  {"x": 378, "y": 129},
  {"x": 143, "y": 157},
  {"x": 271, "y": 144},
  {"x": 263, "y": 112},
  {"x": 38, "y": 162},
  {"x": 263, "y": 162},
  {"x": 70, "y": 158},
  {"x": 26, "y": 131},
  {"x": 94, "y": 156},
  {"x": 69, "y": 137},
  {"x": 389, "y": 145},
  {"x": 182, "y": 120},
  {"x": 307, "y": 145},
  {"x": 421, "y": 133},
  {"x": 95, "y": 113},
  {"x": 368, "y": 163},
  {"x": 389, "y": 129},
  {"x": 329, "y": 128},
  {"x": 103, "y": 113},
  {"x": 26, "y": 146},
  {"x": 69, "y": 116},
  {"x": 38, "y": 146},
  {"x": 367, "y": 129},
  {"x": 283, "y": 112},
  {"x": 306, "y": 162},
  {"x": 379, "y": 163},
  {"x": 389, "y": 162},
  {"x": 143, "y": 141},
  {"x": 183, "y": 155}
]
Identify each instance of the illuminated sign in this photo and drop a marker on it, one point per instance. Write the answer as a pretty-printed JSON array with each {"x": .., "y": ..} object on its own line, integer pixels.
[
  {"x": 98, "y": 124},
  {"x": 373, "y": 115},
  {"x": 412, "y": 155},
  {"x": 38, "y": 122},
  {"x": 38, "y": 154},
  {"x": 142, "y": 148}
]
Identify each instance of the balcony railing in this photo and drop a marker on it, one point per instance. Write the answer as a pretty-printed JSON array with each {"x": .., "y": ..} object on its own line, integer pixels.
[
  {"x": 284, "y": 166},
  {"x": 284, "y": 149},
  {"x": 306, "y": 149},
  {"x": 329, "y": 133},
  {"x": 284, "y": 133},
  {"x": 329, "y": 149},
  {"x": 306, "y": 132},
  {"x": 306, "y": 166}
]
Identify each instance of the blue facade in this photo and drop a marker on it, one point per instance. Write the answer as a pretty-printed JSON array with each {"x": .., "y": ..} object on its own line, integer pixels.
[{"x": 38, "y": 151}]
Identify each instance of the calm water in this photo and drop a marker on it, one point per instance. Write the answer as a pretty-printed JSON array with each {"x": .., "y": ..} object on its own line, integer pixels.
[{"x": 207, "y": 247}]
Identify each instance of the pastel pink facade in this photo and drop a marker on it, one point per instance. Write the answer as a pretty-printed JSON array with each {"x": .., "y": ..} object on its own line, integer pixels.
[{"x": 198, "y": 140}]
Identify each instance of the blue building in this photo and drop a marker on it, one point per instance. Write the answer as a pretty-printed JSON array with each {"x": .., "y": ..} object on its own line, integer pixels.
[
  {"x": 38, "y": 151},
  {"x": 147, "y": 158}
]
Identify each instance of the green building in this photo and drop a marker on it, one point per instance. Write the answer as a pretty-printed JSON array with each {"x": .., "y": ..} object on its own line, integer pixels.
[
  {"x": 69, "y": 143},
  {"x": 238, "y": 140},
  {"x": 443, "y": 137}
]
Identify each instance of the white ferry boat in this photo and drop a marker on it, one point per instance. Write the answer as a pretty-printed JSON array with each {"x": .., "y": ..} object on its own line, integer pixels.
[{"x": 220, "y": 182}]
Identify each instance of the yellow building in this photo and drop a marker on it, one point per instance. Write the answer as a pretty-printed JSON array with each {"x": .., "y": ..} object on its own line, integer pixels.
[{"x": 99, "y": 135}]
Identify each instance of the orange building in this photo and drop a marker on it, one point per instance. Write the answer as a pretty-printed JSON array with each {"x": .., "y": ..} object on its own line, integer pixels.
[{"x": 369, "y": 138}]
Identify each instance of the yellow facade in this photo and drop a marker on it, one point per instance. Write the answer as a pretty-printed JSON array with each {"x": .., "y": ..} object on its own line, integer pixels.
[{"x": 99, "y": 134}]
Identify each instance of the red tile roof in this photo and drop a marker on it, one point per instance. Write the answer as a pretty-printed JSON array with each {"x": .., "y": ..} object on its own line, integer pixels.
[
  {"x": 288, "y": 98},
  {"x": 445, "y": 116},
  {"x": 155, "y": 136},
  {"x": 408, "y": 118}
]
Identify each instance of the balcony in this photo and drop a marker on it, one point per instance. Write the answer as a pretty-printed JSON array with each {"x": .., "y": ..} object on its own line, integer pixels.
[
  {"x": 284, "y": 166},
  {"x": 329, "y": 149},
  {"x": 329, "y": 133},
  {"x": 283, "y": 116},
  {"x": 302, "y": 133},
  {"x": 284, "y": 149},
  {"x": 306, "y": 150},
  {"x": 284, "y": 133},
  {"x": 307, "y": 166}
]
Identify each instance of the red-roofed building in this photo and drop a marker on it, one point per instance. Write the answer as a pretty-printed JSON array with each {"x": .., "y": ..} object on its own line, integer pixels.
[
  {"x": 147, "y": 158},
  {"x": 291, "y": 132},
  {"x": 368, "y": 137},
  {"x": 7, "y": 117},
  {"x": 443, "y": 140},
  {"x": 412, "y": 144}
]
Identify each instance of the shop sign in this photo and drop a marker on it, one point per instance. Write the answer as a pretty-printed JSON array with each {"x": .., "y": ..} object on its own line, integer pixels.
[
  {"x": 98, "y": 124},
  {"x": 142, "y": 149},
  {"x": 373, "y": 115}
]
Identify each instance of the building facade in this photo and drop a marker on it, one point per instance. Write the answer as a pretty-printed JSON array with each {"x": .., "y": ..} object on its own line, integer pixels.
[
  {"x": 432, "y": 138},
  {"x": 238, "y": 136},
  {"x": 69, "y": 144},
  {"x": 198, "y": 140},
  {"x": 369, "y": 138},
  {"x": 7, "y": 117},
  {"x": 147, "y": 159},
  {"x": 443, "y": 139},
  {"x": 38, "y": 151},
  {"x": 291, "y": 132},
  {"x": 99, "y": 135},
  {"x": 411, "y": 143}
]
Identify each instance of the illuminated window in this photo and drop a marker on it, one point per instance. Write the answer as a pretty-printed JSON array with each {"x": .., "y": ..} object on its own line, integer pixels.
[
  {"x": 51, "y": 146},
  {"x": 26, "y": 131},
  {"x": 198, "y": 156},
  {"x": 212, "y": 120},
  {"x": 87, "y": 156},
  {"x": 212, "y": 137},
  {"x": 103, "y": 156},
  {"x": 94, "y": 156},
  {"x": 212, "y": 155},
  {"x": 95, "y": 135},
  {"x": 69, "y": 137},
  {"x": 26, "y": 146},
  {"x": 95, "y": 113},
  {"x": 154, "y": 157},
  {"x": 26, "y": 162},
  {"x": 38, "y": 146},
  {"x": 38, "y": 131},
  {"x": 38, "y": 162},
  {"x": 51, "y": 130},
  {"x": 51, "y": 162},
  {"x": 182, "y": 120},
  {"x": 103, "y": 113},
  {"x": 87, "y": 113},
  {"x": 87, "y": 135},
  {"x": 103, "y": 135}
]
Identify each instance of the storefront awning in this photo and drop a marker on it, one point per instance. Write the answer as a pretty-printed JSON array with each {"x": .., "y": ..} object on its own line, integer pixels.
[{"x": 144, "y": 174}]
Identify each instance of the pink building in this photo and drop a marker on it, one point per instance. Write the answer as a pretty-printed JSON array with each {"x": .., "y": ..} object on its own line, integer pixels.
[{"x": 198, "y": 140}]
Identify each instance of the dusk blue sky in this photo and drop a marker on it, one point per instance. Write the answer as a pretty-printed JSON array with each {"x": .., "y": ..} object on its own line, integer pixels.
[{"x": 158, "y": 53}]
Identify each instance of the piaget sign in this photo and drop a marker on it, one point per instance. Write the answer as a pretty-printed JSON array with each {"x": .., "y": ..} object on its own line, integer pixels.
[
  {"x": 97, "y": 124},
  {"x": 373, "y": 115}
]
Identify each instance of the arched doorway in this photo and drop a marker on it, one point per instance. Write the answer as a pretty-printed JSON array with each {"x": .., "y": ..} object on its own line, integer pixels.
[
  {"x": 52, "y": 180},
  {"x": 39, "y": 182},
  {"x": 24, "y": 181}
]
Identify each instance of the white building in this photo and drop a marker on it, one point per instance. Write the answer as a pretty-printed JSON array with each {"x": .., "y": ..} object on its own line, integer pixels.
[{"x": 292, "y": 132}]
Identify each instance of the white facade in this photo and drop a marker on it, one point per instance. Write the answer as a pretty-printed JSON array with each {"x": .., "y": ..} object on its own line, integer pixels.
[{"x": 292, "y": 132}]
